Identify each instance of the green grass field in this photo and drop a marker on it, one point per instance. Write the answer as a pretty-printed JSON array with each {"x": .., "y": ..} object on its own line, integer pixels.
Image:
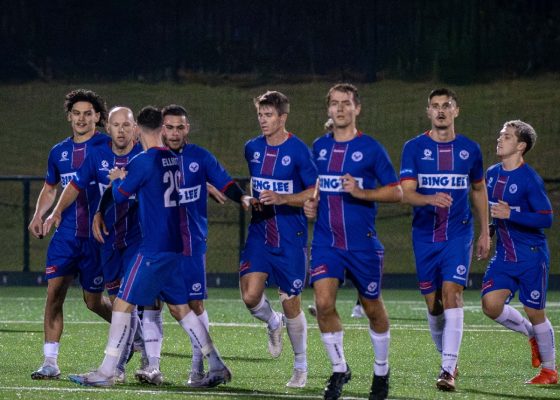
[{"x": 493, "y": 364}]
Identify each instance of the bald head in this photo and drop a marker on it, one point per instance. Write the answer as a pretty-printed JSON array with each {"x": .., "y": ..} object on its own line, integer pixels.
[{"x": 120, "y": 125}]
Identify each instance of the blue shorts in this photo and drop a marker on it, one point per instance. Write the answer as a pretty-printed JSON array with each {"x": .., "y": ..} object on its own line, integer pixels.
[
  {"x": 442, "y": 261},
  {"x": 75, "y": 256},
  {"x": 115, "y": 262},
  {"x": 285, "y": 266},
  {"x": 152, "y": 276},
  {"x": 363, "y": 268},
  {"x": 530, "y": 277},
  {"x": 193, "y": 269}
]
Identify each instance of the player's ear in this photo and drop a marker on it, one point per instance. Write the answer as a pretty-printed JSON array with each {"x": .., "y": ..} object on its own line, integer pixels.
[
  {"x": 96, "y": 117},
  {"x": 456, "y": 111}
]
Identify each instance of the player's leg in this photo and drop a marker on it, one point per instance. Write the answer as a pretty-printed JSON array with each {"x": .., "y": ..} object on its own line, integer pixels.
[
  {"x": 53, "y": 323},
  {"x": 99, "y": 304},
  {"x": 436, "y": 319},
  {"x": 252, "y": 292},
  {"x": 296, "y": 325},
  {"x": 218, "y": 371},
  {"x": 196, "y": 374},
  {"x": 358, "y": 310},
  {"x": 152, "y": 329}
]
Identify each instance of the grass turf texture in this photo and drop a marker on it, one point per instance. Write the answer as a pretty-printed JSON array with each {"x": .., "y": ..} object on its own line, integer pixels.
[
  {"x": 494, "y": 362},
  {"x": 223, "y": 118}
]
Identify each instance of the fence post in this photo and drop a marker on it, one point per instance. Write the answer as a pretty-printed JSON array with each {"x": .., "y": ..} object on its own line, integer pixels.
[{"x": 26, "y": 185}]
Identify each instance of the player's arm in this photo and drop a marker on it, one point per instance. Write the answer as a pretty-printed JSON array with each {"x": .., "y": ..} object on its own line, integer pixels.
[
  {"x": 268, "y": 197},
  {"x": 215, "y": 194},
  {"x": 479, "y": 197},
  {"x": 44, "y": 202},
  {"x": 68, "y": 196},
  {"x": 412, "y": 197},
  {"x": 391, "y": 193}
]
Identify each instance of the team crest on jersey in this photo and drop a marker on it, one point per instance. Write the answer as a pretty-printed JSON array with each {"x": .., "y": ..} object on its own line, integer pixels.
[
  {"x": 193, "y": 167},
  {"x": 98, "y": 280},
  {"x": 256, "y": 156},
  {"x": 357, "y": 156},
  {"x": 535, "y": 294},
  {"x": 372, "y": 287},
  {"x": 464, "y": 154},
  {"x": 196, "y": 287},
  {"x": 64, "y": 156},
  {"x": 461, "y": 269},
  {"x": 286, "y": 160},
  {"x": 427, "y": 155},
  {"x": 513, "y": 188},
  {"x": 297, "y": 283},
  {"x": 322, "y": 154}
]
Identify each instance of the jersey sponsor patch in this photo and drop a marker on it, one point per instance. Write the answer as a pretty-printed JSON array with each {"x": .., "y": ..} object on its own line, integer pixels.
[
  {"x": 333, "y": 183},
  {"x": 443, "y": 181},
  {"x": 188, "y": 195},
  {"x": 66, "y": 178},
  {"x": 276, "y": 185}
]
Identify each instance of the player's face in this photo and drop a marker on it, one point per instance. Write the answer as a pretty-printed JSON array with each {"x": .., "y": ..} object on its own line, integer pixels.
[
  {"x": 175, "y": 131},
  {"x": 83, "y": 118},
  {"x": 342, "y": 109},
  {"x": 121, "y": 128},
  {"x": 442, "y": 111},
  {"x": 508, "y": 143},
  {"x": 270, "y": 122}
]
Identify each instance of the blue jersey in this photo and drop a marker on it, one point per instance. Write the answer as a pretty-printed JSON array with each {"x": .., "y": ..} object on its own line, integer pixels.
[
  {"x": 65, "y": 158},
  {"x": 198, "y": 167},
  {"x": 450, "y": 168},
  {"x": 531, "y": 211},
  {"x": 120, "y": 219},
  {"x": 155, "y": 177},
  {"x": 343, "y": 221},
  {"x": 284, "y": 169}
]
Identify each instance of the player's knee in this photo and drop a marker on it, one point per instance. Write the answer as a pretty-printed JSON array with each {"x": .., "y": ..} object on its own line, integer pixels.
[
  {"x": 251, "y": 299},
  {"x": 197, "y": 306},
  {"x": 490, "y": 309}
]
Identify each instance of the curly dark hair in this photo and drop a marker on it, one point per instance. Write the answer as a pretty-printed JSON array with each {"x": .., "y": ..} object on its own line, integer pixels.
[{"x": 90, "y": 96}]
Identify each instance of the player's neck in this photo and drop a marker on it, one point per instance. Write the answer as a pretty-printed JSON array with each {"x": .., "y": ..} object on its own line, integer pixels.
[
  {"x": 149, "y": 141},
  {"x": 345, "y": 134},
  {"x": 277, "y": 138},
  {"x": 442, "y": 135},
  {"x": 82, "y": 138},
  {"x": 512, "y": 162}
]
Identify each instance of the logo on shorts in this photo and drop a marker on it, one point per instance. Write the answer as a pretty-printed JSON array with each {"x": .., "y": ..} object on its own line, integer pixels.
[
  {"x": 64, "y": 156},
  {"x": 461, "y": 269},
  {"x": 256, "y": 156},
  {"x": 322, "y": 154},
  {"x": 357, "y": 156},
  {"x": 513, "y": 188},
  {"x": 464, "y": 154},
  {"x": 297, "y": 283},
  {"x": 427, "y": 155},
  {"x": 286, "y": 160},
  {"x": 51, "y": 269},
  {"x": 372, "y": 287},
  {"x": 244, "y": 266},
  {"x": 318, "y": 270},
  {"x": 535, "y": 294},
  {"x": 196, "y": 287},
  {"x": 193, "y": 167},
  {"x": 487, "y": 284},
  {"x": 425, "y": 285},
  {"x": 98, "y": 280}
]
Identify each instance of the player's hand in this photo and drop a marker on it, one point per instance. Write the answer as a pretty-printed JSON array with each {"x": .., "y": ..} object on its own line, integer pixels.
[
  {"x": 116, "y": 173},
  {"x": 215, "y": 194},
  {"x": 247, "y": 202},
  {"x": 99, "y": 228},
  {"x": 350, "y": 185},
  {"x": 310, "y": 208},
  {"x": 268, "y": 197},
  {"x": 53, "y": 219},
  {"x": 500, "y": 210},
  {"x": 441, "y": 199},
  {"x": 36, "y": 227},
  {"x": 483, "y": 246}
]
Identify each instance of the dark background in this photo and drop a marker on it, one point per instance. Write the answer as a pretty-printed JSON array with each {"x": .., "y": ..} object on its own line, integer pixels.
[{"x": 454, "y": 41}]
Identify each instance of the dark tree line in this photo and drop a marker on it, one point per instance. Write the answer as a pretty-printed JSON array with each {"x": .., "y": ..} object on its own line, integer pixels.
[{"x": 453, "y": 40}]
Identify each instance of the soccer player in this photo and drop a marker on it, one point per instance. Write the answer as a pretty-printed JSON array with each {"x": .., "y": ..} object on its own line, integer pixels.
[
  {"x": 355, "y": 173},
  {"x": 154, "y": 176},
  {"x": 282, "y": 177},
  {"x": 200, "y": 168},
  {"x": 72, "y": 249},
  {"x": 124, "y": 236},
  {"x": 438, "y": 170},
  {"x": 521, "y": 211}
]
